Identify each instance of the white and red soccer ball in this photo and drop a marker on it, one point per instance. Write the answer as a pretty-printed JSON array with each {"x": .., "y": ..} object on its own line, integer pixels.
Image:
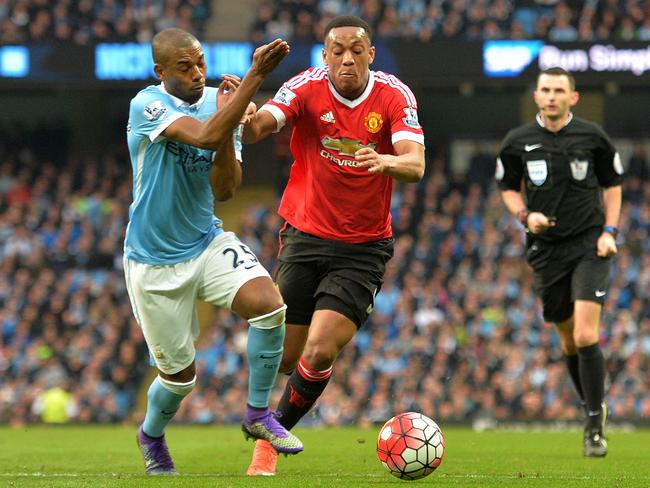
[{"x": 410, "y": 446}]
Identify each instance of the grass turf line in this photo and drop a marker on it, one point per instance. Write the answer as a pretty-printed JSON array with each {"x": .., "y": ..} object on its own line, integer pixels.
[{"x": 69, "y": 456}]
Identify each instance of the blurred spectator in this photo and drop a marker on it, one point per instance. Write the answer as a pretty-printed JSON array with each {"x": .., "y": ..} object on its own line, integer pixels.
[
  {"x": 87, "y": 21},
  {"x": 65, "y": 320},
  {"x": 457, "y": 310},
  {"x": 638, "y": 166},
  {"x": 428, "y": 20},
  {"x": 55, "y": 406},
  {"x": 468, "y": 331}
]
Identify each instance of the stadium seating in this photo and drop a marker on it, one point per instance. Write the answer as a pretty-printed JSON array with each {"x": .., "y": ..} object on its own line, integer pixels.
[
  {"x": 426, "y": 20},
  {"x": 88, "y": 21},
  {"x": 457, "y": 312}
]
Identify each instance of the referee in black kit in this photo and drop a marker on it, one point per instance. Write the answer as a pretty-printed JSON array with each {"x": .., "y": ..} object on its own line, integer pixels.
[{"x": 572, "y": 179}]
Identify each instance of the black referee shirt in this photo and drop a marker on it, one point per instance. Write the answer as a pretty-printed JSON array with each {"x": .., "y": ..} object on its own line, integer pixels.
[{"x": 563, "y": 173}]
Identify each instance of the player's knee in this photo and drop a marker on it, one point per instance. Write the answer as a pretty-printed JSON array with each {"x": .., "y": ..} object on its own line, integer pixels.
[
  {"x": 320, "y": 355},
  {"x": 270, "y": 320},
  {"x": 583, "y": 338},
  {"x": 179, "y": 388}
]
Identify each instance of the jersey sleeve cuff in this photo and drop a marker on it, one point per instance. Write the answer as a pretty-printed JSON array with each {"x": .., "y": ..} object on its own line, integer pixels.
[
  {"x": 278, "y": 114},
  {"x": 154, "y": 136},
  {"x": 405, "y": 135}
]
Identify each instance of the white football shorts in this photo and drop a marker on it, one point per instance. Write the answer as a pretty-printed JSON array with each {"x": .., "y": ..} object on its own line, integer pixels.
[{"x": 163, "y": 297}]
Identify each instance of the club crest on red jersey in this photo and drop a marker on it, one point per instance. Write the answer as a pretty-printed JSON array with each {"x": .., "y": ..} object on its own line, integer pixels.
[{"x": 373, "y": 122}]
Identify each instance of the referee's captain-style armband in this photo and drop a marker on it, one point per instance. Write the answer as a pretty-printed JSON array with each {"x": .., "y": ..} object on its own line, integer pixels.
[
  {"x": 522, "y": 217},
  {"x": 610, "y": 229}
]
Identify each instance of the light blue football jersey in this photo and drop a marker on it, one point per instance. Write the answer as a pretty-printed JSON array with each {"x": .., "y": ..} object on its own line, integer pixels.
[{"x": 172, "y": 216}]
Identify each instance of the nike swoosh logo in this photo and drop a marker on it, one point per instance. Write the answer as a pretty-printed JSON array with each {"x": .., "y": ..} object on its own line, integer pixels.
[
  {"x": 269, "y": 356},
  {"x": 530, "y": 147},
  {"x": 601, "y": 293}
]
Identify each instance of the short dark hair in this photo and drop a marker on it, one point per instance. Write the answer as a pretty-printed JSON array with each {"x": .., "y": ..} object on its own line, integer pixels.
[
  {"x": 348, "y": 21},
  {"x": 557, "y": 71},
  {"x": 166, "y": 40}
]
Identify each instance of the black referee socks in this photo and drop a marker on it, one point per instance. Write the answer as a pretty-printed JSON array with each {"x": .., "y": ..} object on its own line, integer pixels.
[{"x": 591, "y": 364}]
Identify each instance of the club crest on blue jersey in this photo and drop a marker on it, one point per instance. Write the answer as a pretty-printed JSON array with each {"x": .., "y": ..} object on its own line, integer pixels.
[
  {"x": 537, "y": 171},
  {"x": 154, "y": 110}
]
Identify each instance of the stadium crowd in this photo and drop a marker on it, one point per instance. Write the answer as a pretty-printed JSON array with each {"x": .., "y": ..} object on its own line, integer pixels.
[
  {"x": 426, "y": 20},
  {"x": 456, "y": 332},
  {"x": 68, "y": 346},
  {"x": 86, "y": 21}
]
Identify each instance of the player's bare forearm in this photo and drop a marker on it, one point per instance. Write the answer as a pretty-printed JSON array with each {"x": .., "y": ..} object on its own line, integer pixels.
[
  {"x": 212, "y": 133},
  {"x": 226, "y": 173},
  {"x": 612, "y": 198},
  {"x": 535, "y": 222},
  {"x": 265, "y": 59},
  {"x": 606, "y": 244},
  {"x": 218, "y": 128},
  {"x": 513, "y": 200},
  {"x": 261, "y": 125},
  {"x": 252, "y": 132},
  {"x": 407, "y": 166}
]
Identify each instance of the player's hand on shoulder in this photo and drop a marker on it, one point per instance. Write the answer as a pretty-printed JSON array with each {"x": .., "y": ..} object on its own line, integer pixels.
[
  {"x": 267, "y": 57},
  {"x": 538, "y": 222},
  {"x": 606, "y": 245}
]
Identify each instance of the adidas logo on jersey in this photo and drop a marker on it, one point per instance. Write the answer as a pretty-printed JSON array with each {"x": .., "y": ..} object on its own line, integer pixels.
[{"x": 328, "y": 117}]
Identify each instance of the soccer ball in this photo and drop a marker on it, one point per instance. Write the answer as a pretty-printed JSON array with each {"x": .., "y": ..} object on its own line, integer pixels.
[{"x": 410, "y": 446}]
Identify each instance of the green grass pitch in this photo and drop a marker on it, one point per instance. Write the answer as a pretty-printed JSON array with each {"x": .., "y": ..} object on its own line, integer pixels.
[{"x": 334, "y": 457}]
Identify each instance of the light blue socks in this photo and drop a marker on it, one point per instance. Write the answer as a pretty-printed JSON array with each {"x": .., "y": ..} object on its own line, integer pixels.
[
  {"x": 162, "y": 405},
  {"x": 264, "y": 352}
]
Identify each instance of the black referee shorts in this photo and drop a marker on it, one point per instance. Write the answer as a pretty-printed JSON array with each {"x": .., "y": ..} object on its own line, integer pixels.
[
  {"x": 567, "y": 271},
  {"x": 319, "y": 274}
]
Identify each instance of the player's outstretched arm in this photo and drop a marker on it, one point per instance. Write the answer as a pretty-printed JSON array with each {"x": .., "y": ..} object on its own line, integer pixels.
[
  {"x": 261, "y": 125},
  {"x": 407, "y": 165},
  {"x": 212, "y": 133}
]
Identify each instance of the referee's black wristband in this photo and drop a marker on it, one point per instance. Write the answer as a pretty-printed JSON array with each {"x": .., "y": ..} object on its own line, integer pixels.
[{"x": 610, "y": 229}]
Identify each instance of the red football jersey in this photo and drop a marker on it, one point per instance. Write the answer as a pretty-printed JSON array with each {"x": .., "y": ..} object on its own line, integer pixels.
[{"x": 327, "y": 194}]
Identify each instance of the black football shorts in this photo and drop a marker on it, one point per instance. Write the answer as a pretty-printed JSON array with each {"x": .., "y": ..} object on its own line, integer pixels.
[
  {"x": 319, "y": 274},
  {"x": 568, "y": 271}
]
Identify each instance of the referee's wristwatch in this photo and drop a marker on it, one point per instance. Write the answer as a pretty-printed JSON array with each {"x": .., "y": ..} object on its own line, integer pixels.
[{"x": 610, "y": 229}]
